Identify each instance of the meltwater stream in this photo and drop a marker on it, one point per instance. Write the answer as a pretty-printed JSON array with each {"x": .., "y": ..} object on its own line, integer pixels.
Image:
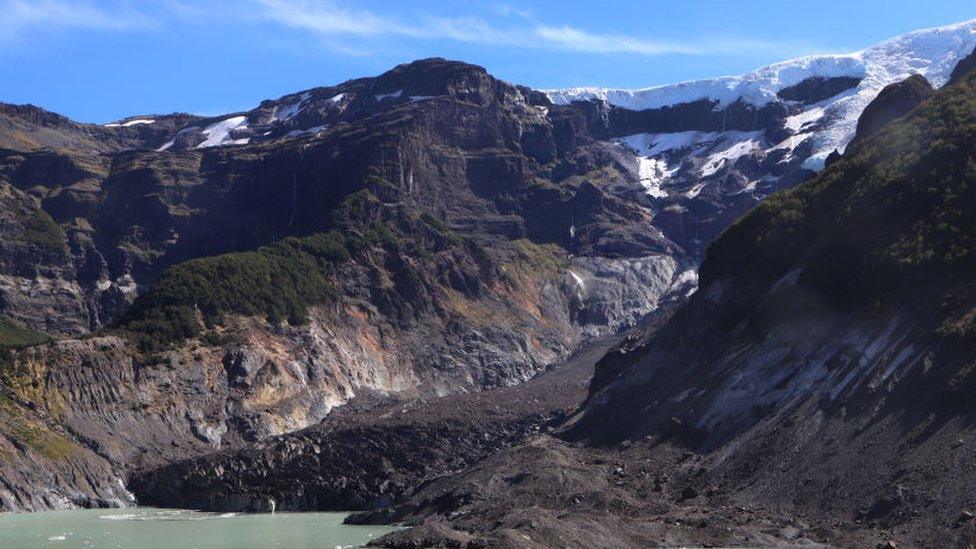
[{"x": 149, "y": 528}]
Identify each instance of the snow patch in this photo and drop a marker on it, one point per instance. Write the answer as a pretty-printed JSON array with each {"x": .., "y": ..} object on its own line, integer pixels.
[
  {"x": 756, "y": 88},
  {"x": 798, "y": 122},
  {"x": 732, "y": 151},
  {"x": 135, "y": 122},
  {"x": 384, "y": 96},
  {"x": 653, "y": 173},
  {"x": 817, "y": 161},
  {"x": 696, "y": 190},
  {"x": 687, "y": 279},
  {"x": 578, "y": 279},
  {"x": 219, "y": 134},
  {"x": 288, "y": 111},
  {"x": 312, "y": 130},
  {"x": 651, "y": 144},
  {"x": 653, "y": 150}
]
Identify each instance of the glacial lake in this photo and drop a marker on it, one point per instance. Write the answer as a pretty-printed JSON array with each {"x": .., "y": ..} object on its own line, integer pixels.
[{"x": 149, "y": 528}]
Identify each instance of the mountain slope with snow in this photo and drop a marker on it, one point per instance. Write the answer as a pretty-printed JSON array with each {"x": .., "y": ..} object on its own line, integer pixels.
[
  {"x": 825, "y": 366},
  {"x": 932, "y": 53},
  {"x": 705, "y": 152}
]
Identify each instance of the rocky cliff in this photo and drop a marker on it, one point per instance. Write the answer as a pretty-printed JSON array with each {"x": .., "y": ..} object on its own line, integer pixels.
[
  {"x": 823, "y": 366},
  {"x": 438, "y": 231},
  {"x": 813, "y": 391},
  {"x": 213, "y": 283}
]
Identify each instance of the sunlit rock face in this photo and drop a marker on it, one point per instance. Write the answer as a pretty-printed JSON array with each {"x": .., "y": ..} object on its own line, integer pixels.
[{"x": 489, "y": 229}]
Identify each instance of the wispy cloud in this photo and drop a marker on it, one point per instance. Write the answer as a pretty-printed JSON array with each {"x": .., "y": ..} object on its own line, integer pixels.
[
  {"x": 23, "y": 17},
  {"x": 331, "y": 20},
  {"x": 506, "y": 9},
  {"x": 348, "y": 28},
  {"x": 572, "y": 39}
]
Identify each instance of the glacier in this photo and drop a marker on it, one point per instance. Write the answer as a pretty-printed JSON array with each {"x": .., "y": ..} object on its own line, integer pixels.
[{"x": 932, "y": 53}]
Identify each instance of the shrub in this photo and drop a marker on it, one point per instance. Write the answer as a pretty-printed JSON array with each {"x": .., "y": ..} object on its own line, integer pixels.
[
  {"x": 13, "y": 335},
  {"x": 278, "y": 282}
]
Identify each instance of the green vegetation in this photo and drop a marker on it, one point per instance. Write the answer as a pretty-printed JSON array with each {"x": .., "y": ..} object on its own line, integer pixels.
[
  {"x": 357, "y": 206},
  {"x": 214, "y": 339},
  {"x": 437, "y": 224},
  {"x": 38, "y": 228},
  {"x": 44, "y": 442},
  {"x": 540, "y": 260},
  {"x": 42, "y": 231},
  {"x": 375, "y": 234},
  {"x": 278, "y": 281},
  {"x": 380, "y": 234},
  {"x": 897, "y": 209},
  {"x": 449, "y": 236},
  {"x": 14, "y": 336}
]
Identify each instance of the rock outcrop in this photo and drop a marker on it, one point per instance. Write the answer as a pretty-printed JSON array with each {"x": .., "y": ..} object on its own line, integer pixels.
[
  {"x": 964, "y": 67},
  {"x": 894, "y": 101}
]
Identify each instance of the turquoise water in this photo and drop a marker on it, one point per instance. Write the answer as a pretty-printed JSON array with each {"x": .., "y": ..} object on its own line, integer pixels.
[{"x": 149, "y": 528}]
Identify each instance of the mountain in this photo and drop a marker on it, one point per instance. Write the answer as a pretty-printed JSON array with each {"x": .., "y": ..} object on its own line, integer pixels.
[
  {"x": 181, "y": 292},
  {"x": 824, "y": 367},
  {"x": 707, "y": 151},
  {"x": 815, "y": 390},
  {"x": 129, "y": 211},
  {"x": 218, "y": 292}
]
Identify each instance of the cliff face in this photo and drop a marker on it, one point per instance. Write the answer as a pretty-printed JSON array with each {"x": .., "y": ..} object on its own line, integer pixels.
[
  {"x": 482, "y": 157},
  {"x": 869, "y": 262},
  {"x": 219, "y": 282},
  {"x": 823, "y": 365},
  {"x": 438, "y": 231}
]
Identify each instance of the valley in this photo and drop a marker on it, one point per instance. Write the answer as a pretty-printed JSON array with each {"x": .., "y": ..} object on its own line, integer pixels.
[{"x": 730, "y": 312}]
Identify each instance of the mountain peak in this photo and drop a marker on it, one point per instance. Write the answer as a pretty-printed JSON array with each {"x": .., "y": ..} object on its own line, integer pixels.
[{"x": 435, "y": 65}]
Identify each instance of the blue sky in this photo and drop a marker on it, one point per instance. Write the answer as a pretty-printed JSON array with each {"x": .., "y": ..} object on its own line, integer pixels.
[{"x": 100, "y": 60}]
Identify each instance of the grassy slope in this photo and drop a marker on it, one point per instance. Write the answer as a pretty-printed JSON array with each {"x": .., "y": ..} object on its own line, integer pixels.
[
  {"x": 899, "y": 208},
  {"x": 12, "y": 335}
]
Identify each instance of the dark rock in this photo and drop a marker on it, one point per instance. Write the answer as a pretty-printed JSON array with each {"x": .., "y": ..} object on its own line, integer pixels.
[
  {"x": 894, "y": 101},
  {"x": 816, "y": 89},
  {"x": 425, "y": 535},
  {"x": 963, "y": 67},
  {"x": 833, "y": 157},
  {"x": 605, "y": 120},
  {"x": 806, "y": 277}
]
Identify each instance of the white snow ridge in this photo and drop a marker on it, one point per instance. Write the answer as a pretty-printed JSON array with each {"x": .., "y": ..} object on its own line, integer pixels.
[{"x": 932, "y": 53}]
